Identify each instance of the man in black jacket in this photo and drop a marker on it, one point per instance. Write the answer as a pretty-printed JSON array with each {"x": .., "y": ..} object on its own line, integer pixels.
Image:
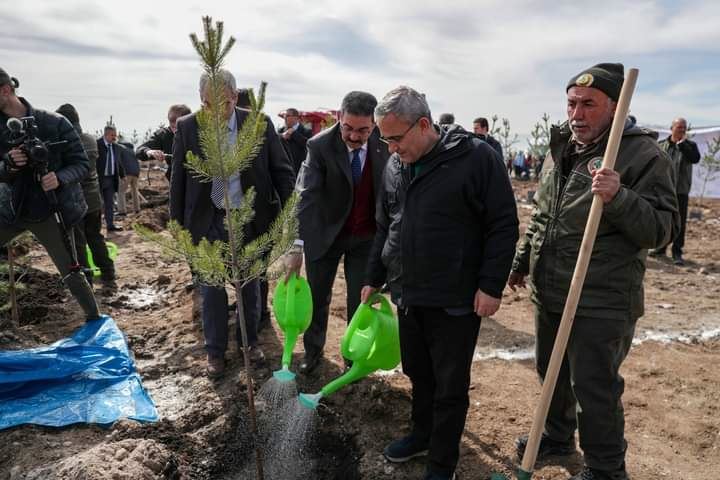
[
  {"x": 481, "y": 129},
  {"x": 294, "y": 136},
  {"x": 445, "y": 240},
  {"x": 88, "y": 231},
  {"x": 683, "y": 153},
  {"x": 195, "y": 205},
  {"x": 160, "y": 143},
  {"x": 24, "y": 193}
]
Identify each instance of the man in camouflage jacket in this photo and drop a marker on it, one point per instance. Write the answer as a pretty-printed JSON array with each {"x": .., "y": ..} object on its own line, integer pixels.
[{"x": 640, "y": 212}]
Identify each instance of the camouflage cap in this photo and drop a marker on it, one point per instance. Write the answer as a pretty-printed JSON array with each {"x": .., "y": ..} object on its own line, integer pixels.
[{"x": 606, "y": 77}]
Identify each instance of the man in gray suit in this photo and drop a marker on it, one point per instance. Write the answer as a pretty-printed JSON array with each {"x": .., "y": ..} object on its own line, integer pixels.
[
  {"x": 196, "y": 206},
  {"x": 338, "y": 184}
]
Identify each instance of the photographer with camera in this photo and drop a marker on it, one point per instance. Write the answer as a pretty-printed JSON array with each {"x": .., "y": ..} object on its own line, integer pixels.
[{"x": 41, "y": 164}]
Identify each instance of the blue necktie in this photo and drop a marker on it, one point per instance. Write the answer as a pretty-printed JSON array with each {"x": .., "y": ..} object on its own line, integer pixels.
[{"x": 356, "y": 166}]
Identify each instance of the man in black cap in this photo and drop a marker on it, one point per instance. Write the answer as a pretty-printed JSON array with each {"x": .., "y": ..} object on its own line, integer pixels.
[
  {"x": 27, "y": 188},
  {"x": 446, "y": 119},
  {"x": 640, "y": 212},
  {"x": 88, "y": 231}
]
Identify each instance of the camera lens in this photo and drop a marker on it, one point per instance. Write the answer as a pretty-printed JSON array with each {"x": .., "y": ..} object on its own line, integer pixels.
[{"x": 39, "y": 153}]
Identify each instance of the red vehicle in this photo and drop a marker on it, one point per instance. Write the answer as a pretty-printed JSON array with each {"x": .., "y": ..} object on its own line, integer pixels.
[{"x": 316, "y": 120}]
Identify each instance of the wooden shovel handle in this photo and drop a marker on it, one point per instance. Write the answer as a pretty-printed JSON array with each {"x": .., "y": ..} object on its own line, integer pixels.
[{"x": 578, "y": 278}]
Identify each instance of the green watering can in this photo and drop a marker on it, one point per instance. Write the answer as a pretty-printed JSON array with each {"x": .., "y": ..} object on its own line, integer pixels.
[
  {"x": 371, "y": 341},
  {"x": 112, "y": 253},
  {"x": 292, "y": 304}
]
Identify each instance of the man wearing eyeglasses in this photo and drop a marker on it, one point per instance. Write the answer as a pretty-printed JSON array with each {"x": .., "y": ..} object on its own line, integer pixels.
[
  {"x": 446, "y": 232},
  {"x": 294, "y": 136},
  {"x": 159, "y": 146},
  {"x": 338, "y": 184}
]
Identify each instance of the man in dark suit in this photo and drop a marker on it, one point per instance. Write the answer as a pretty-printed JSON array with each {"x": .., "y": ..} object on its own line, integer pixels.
[
  {"x": 109, "y": 170},
  {"x": 195, "y": 206},
  {"x": 294, "y": 136},
  {"x": 338, "y": 184}
]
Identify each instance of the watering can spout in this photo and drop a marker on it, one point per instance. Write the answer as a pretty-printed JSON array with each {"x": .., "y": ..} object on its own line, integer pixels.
[
  {"x": 284, "y": 375},
  {"x": 356, "y": 372},
  {"x": 310, "y": 400}
]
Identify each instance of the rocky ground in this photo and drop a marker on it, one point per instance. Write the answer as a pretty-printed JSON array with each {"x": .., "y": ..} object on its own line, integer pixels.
[{"x": 671, "y": 397}]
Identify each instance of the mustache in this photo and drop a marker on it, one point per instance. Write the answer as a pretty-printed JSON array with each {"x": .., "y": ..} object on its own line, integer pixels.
[{"x": 578, "y": 123}]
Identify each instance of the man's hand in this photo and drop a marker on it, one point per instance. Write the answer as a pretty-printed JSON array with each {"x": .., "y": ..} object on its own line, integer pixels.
[
  {"x": 49, "y": 182},
  {"x": 485, "y": 305},
  {"x": 155, "y": 154},
  {"x": 287, "y": 134},
  {"x": 18, "y": 157},
  {"x": 367, "y": 292},
  {"x": 515, "y": 280},
  {"x": 606, "y": 183},
  {"x": 293, "y": 263}
]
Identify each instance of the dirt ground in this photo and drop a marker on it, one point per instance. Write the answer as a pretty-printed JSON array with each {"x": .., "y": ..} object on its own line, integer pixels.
[{"x": 671, "y": 397}]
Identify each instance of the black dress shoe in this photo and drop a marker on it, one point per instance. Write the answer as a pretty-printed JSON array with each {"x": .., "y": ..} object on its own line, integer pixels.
[
  {"x": 588, "y": 473},
  {"x": 548, "y": 447},
  {"x": 309, "y": 364},
  {"x": 115, "y": 228}
]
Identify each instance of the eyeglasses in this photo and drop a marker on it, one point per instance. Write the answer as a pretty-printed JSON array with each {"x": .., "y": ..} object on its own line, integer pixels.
[
  {"x": 360, "y": 131},
  {"x": 399, "y": 138}
]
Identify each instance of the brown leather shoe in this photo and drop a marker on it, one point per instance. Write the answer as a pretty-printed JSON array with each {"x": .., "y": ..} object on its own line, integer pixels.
[{"x": 215, "y": 366}]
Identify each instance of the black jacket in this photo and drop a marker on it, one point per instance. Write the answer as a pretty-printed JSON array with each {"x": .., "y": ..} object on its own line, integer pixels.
[
  {"x": 21, "y": 196},
  {"x": 296, "y": 146},
  {"x": 450, "y": 230},
  {"x": 493, "y": 143},
  {"x": 270, "y": 174},
  {"x": 161, "y": 139},
  {"x": 102, "y": 159}
]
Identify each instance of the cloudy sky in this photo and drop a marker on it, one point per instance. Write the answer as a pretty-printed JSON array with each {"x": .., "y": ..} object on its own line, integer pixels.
[{"x": 132, "y": 59}]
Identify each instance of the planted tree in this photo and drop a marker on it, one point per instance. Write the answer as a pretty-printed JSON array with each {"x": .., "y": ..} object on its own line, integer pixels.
[
  {"x": 539, "y": 141},
  {"x": 507, "y": 138},
  {"x": 236, "y": 262},
  {"x": 710, "y": 164},
  {"x": 494, "y": 129}
]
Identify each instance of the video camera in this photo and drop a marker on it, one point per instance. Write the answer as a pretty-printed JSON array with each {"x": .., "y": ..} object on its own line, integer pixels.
[{"x": 23, "y": 135}]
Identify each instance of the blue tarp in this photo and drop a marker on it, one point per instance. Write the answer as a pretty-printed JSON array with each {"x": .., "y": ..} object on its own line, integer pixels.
[{"x": 87, "y": 378}]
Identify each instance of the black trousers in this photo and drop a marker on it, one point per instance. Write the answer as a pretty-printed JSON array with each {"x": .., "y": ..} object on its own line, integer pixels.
[
  {"x": 88, "y": 232},
  {"x": 437, "y": 351},
  {"x": 679, "y": 241},
  {"x": 589, "y": 387},
  {"x": 215, "y": 303},
  {"x": 107, "y": 189},
  {"x": 321, "y": 276}
]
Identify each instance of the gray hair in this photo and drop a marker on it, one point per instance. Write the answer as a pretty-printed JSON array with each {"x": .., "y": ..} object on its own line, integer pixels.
[
  {"x": 226, "y": 79},
  {"x": 679, "y": 120},
  {"x": 405, "y": 103}
]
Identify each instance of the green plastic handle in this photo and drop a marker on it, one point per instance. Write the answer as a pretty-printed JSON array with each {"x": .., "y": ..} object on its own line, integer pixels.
[
  {"x": 291, "y": 285},
  {"x": 360, "y": 350},
  {"x": 384, "y": 303}
]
